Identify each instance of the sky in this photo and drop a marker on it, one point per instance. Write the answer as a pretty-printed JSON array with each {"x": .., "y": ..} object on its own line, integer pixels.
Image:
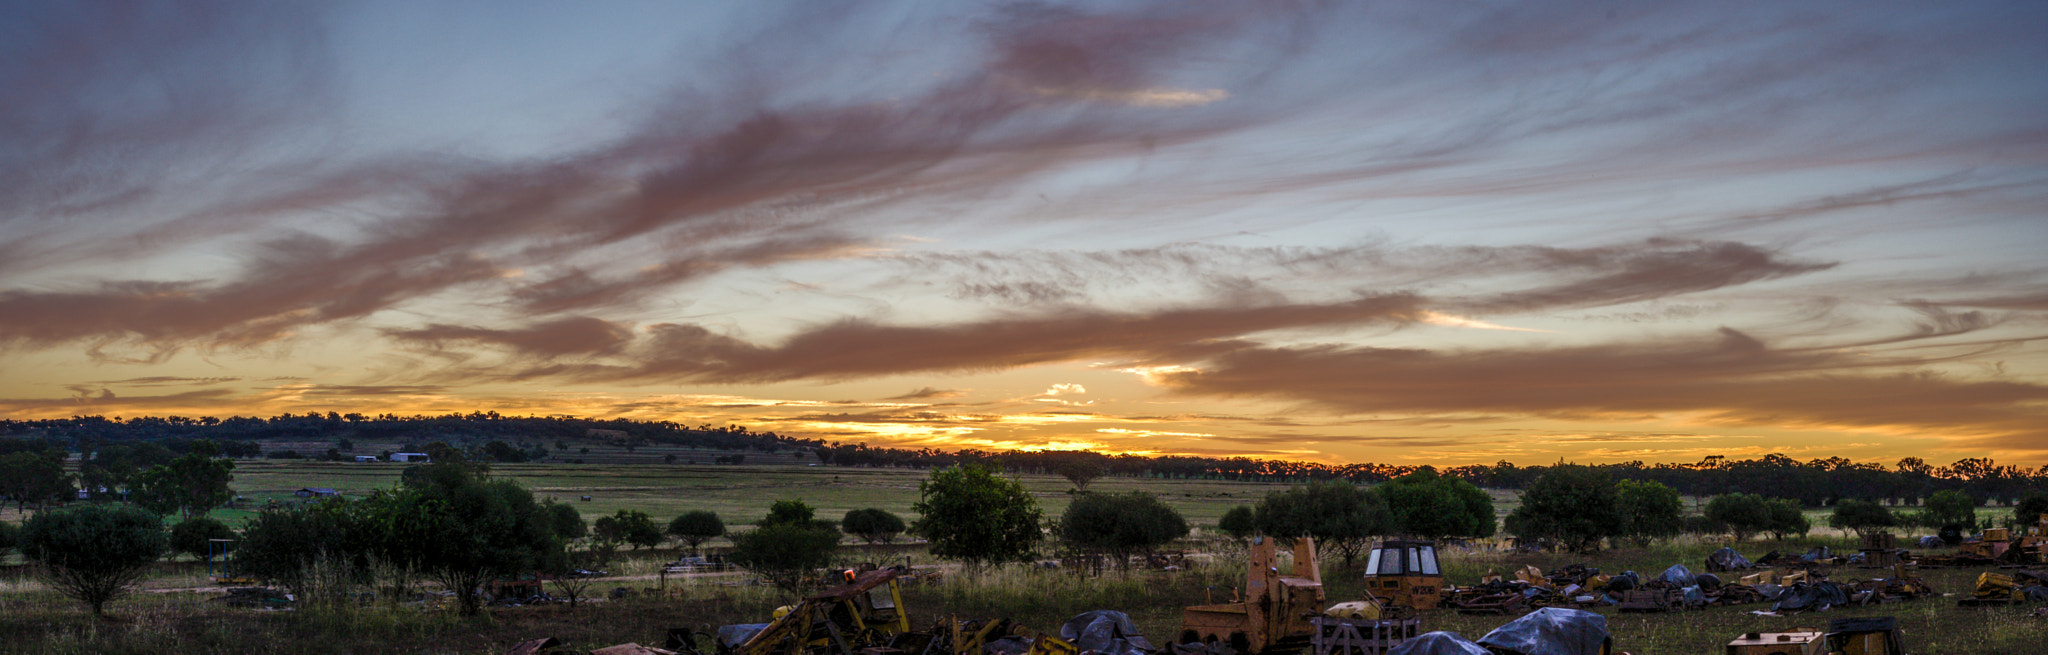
[{"x": 1395, "y": 232}]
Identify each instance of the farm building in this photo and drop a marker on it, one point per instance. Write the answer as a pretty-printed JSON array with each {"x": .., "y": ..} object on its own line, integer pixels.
[
  {"x": 367, "y": 458},
  {"x": 411, "y": 457},
  {"x": 316, "y": 492}
]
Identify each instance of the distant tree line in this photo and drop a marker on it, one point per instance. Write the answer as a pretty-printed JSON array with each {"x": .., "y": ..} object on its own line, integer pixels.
[{"x": 145, "y": 441}]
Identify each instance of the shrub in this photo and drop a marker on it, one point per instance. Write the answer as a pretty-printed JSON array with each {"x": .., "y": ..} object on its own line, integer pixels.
[{"x": 94, "y": 553}]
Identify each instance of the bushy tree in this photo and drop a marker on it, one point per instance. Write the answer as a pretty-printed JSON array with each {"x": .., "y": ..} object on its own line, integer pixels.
[
  {"x": 1950, "y": 508},
  {"x": 194, "y": 536},
  {"x": 627, "y": 526},
  {"x": 1744, "y": 514},
  {"x": 2027, "y": 512},
  {"x": 1648, "y": 511},
  {"x": 10, "y": 538},
  {"x": 191, "y": 484},
  {"x": 1433, "y": 506},
  {"x": 445, "y": 521},
  {"x": 95, "y": 553},
  {"x": 1342, "y": 517},
  {"x": 787, "y": 547},
  {"x": 1239, "y": 522},
  {"x": 34, "y": 478},
  {"x": 1862, "y": 516},
  {"x": 1573, "y": 506},
  {"x": 568, "y": 523},
  {"x": 1119, "y": 525},
  {"x": 696, "y": 527},
  {"x": 1787, "y": 519},
  {"x": 971, "y": 514},
  {"x": 875, "y": 526},
  {"x": 1081, "y": 468}
]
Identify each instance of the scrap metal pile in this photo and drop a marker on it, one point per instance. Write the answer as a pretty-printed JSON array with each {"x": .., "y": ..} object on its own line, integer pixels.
[{"x": 1802, "y": 585}]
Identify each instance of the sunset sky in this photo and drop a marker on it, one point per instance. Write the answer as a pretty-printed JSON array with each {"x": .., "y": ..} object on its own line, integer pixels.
[{"x": 1399, "y": 232}]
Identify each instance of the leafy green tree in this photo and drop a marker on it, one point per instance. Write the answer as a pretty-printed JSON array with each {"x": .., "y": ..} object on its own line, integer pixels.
[
  {"x": 1435, "y": 506},
  {"x": 695, "y": 527},
  {"x": 1862, "y": 516},
  {"x": 971, "y": 514},
  {"x": 1342, "y": 517},
  {"x": 10, "y": 538},
  {"x": 2027, "y": 512},
  {"x": 1950, "y": 508},
  {"x": 1119, "y": 525},
  {"x": 34, "y": 478},
  {"x": 468, "y": 531},
  {"x": 1787, "y": 518},
  {"x": 191, "y": 484},
  {"x": 1744, "y": 514},
  {"x": 875, "y": 526},
  {"x": 1573, "y": 506},
  {"x": 283, "y": 543},
  {"x": 116, "y": 466},
  {"x": 1239, "y": 522},
  {"x": 1648, "y": 511},
  {"x": 1081, "y": 469},
  {"x": 194, "y": 536},
  {"x": 95, "y": 553},
  {"x": 788, "y": 547},
  {"x": 627, "y": 526},
  {"x": 568, "y": 523}
]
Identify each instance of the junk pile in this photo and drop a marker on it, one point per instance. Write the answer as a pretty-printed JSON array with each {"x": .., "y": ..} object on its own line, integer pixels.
[
  {"x": 2001, "y": 589},
  {"x": 1547, "y": 631},
  {"x": 1802, "y": 586}
]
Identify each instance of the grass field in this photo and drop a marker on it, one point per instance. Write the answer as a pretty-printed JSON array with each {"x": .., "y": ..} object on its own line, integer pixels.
[{"x": 176, "y": 618}]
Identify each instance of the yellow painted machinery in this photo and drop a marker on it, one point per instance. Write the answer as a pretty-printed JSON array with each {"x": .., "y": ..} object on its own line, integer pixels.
[
  {"x": 866, "y": 612},
  {"x": 1404, "y": 574},
  {"x": 1273, "y": 614}
]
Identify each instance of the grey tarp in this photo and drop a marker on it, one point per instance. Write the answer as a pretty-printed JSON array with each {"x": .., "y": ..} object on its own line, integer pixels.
[
  {"x": 1551, "y": 631},
  {"x": 1931, "y": 541},
  {"x": 1804, "y": 597},
  {"x": 1678, "y": 576},
  {"x": 1728, "y": 560},
  {"x": 731, "y": 636},
  {"x": 1105, "y": 631},
  {"x": 1624, "y": 581},
  {"x": 1694, "y": 597},
  {"x": 1439, "y": 643}
]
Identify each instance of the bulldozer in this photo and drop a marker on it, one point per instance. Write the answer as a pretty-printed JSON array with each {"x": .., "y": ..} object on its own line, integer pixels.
[
  {"x": 1404, "y": 574},
  {"x": 1272, "y": 614}
]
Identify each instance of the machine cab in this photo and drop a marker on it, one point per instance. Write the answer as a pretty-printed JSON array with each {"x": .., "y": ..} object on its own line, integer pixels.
[{"x": 1404, "y": 573}]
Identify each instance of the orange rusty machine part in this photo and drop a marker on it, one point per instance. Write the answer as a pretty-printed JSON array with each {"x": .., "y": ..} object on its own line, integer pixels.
[{"x": 1273, "y": 615}]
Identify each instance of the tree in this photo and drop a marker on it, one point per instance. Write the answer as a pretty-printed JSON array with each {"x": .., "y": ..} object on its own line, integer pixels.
[
  {"x": 568, "y": 523},
  {"x": 627, "y": 526},
  {"x": 1342, "y": 517},
  {"x": 1862, "y": 516},
  {"x": 285, "y": 543},
  {"x": 1744, "y": 514},
  {"x": 1648, "y": 511},
  {"x": 874, "y": 526},
  {"x": 95, "y": 553},
  {"x": 788, "y": 546},
  {"x": 1239, "y": 522},
  {"x": 1573, "y": 506},
  {"x": 1949, "y": 508},
  {"x": 467, "y": 530},
  {"x": 1081, "y": 469},
  {"x": 2027, "y": 512},
  {"x": 970, "y": 514},
  {"x": 1787, "y": 518},
  {"x": 10, "y": 538},
  {"x": 34, "y": 478},
  {"x": 116, "y": 466},
  {"x": 1119, "y": 525},
  {"x": 194, "y": 536},
  {"x": 1434, "y": 506},
  {"x": 695, "y": 527},
  {"x": 191, "y": 484}
]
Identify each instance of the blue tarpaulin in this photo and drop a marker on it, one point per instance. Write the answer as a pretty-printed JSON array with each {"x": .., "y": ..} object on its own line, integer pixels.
[
  {"x": 1551, "y": 631},
  {"x": 1439, "y": 643}
]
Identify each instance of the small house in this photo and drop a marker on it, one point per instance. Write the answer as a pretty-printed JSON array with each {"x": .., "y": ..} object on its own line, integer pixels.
[
  {"x": 316, "y": 492},
  {"x": 411, "y": 457},
  {"x": 367, "y": 458}
]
